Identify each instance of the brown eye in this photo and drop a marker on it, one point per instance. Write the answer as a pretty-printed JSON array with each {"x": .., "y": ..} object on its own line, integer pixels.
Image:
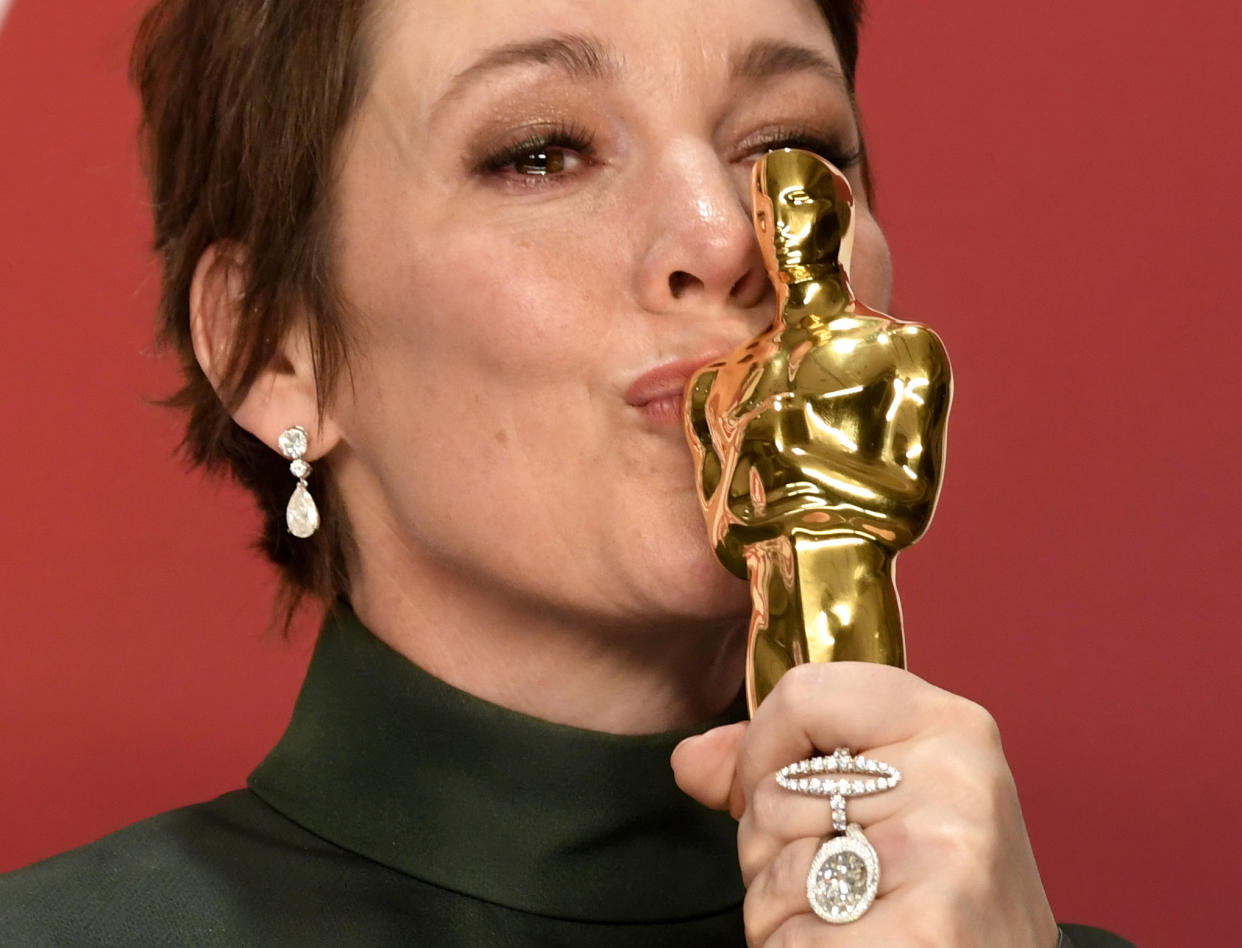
[
  {"x": 552, "y": 154},
  {"x": 541, "y": 162}
]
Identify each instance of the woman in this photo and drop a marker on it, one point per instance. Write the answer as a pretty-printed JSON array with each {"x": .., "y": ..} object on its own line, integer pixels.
[{"x": 473, "y": 252}]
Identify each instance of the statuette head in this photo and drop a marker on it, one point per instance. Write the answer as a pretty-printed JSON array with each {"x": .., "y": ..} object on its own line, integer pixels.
[{"x": 804, "y": 216}]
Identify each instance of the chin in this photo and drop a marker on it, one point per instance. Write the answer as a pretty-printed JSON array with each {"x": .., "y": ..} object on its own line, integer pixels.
[
  {"x": 700, "y": 588},
  {"x": 677, "y": 570}
]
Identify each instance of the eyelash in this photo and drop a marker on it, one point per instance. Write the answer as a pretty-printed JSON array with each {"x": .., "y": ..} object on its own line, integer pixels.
[
  {"x": 578, "y": 140},
  {"x": 558, "y": 138},
  {"x": 825, "y": 147}
]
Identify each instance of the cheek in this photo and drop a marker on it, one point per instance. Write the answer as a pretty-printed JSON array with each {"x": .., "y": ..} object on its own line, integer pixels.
[
  {"x": 872, "y": 269},
  {"x": 435, "y": 290},
  {"x": 475, "y": 331},
  {"x": 489, "y": 343}
]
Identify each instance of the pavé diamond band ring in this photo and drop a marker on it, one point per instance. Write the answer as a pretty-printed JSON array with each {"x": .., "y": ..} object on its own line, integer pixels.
[{"x": 845, "y": 873}]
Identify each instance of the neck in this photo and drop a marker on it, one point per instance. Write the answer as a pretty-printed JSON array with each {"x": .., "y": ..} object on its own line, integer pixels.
[
  {"x": 822, "y": 291},
  {"x": 624, "y": 679}
]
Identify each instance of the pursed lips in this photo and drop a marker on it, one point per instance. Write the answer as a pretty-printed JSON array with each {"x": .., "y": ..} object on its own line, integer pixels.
[{"x": 659, "y": 394}]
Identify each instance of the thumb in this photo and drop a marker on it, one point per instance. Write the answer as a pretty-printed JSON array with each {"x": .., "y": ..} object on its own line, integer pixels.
[{"x": 704, "y": 767}]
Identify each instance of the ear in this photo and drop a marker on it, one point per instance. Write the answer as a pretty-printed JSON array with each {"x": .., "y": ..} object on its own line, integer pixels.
[{"x": 284, "y": 392}]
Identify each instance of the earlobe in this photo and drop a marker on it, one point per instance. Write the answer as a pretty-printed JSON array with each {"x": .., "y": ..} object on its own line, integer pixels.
[{"x": 284, "y": 391}]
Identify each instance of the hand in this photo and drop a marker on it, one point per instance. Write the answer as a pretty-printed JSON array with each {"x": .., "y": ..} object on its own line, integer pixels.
[{"x": 956, "y": 866}]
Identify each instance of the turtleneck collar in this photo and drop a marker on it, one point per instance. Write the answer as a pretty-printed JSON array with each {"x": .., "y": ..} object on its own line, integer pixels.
[{"x": 387, "y": 761}]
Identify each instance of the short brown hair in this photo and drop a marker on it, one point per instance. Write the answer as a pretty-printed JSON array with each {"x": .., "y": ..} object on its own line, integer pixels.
[{"x": 243, "y": 106}]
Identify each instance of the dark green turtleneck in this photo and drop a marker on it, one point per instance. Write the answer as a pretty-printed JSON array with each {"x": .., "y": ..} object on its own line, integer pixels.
[{"x": 397, "y": 810}]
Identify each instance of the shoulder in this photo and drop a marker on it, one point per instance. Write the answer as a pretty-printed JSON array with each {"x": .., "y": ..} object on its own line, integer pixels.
[
  {"x": 916, "y": 340},
  {"x": 187, "y": 871}
]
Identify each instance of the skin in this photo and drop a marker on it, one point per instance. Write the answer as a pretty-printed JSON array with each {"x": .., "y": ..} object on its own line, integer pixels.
[{"x": 524, "y": 533}]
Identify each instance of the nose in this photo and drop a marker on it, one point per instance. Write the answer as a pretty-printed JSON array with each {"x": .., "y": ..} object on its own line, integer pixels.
[{"x": 700, "y": 248}]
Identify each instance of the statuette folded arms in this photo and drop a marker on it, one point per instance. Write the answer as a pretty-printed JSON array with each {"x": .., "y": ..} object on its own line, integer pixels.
[{"x": 818, "y": 445}]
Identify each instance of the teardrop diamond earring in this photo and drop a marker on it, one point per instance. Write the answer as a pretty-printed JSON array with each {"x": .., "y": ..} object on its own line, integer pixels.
[{"x": 301, "y": 516}]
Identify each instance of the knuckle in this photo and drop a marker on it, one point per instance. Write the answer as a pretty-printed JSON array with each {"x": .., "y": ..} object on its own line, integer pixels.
[
  {"x": 761, "y": 905},
  {"x": 768, "y": 807},
  {"x": 986, "y": 799},
  {"x": 957, "y": 845},
  {"x": 788, "y": 870},
  {"x": 801, "y": 685},
  {"x": 746, "y": 846},
  {"x": 896, "y": 838},
  {"x": 751, "y": 860},
  {"x": 784, "y": 937},
  {"x": 750, "y": 769},
  {"x": 977, "y": 721},
  {"x": 752, "y": 925}
]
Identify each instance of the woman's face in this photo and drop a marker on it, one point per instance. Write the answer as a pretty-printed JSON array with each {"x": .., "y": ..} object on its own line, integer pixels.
[{"x": 543, "y": 228}]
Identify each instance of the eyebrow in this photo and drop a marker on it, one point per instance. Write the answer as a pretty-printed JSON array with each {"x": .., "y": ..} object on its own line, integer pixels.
[
  {"x": 577, "y": 55},
  {"x": 584, "y": 57},
  {"x": 768, "y": 59}
]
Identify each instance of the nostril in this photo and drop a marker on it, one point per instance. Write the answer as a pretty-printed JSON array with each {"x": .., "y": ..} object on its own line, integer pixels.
[{"x": 680, "y": 281}]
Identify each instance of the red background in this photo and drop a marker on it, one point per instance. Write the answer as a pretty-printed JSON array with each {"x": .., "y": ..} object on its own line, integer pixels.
[{"x": 1059, "y": 184}]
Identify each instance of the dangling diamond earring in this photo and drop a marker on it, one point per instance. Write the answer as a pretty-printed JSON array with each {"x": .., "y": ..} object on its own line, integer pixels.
[{"x": 301, "y": 516}]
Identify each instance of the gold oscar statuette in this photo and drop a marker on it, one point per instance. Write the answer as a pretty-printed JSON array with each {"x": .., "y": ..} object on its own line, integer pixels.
[{"x": 819, "y": 445}]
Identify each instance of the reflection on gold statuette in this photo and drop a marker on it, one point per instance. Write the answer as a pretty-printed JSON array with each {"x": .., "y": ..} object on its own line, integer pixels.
[{"x": 818, "y": 445}]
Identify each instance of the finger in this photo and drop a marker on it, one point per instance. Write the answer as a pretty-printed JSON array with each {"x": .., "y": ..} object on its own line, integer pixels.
[
  {"x": 704, "y": 766},
  {"x": 773, "y": 819},
  {"x": 777, "y": 911},
  {"x": 776, "y": 817},
  {"x": 880, "y": 925},
  {"x": 958, "y": 761},
  {"x": 819, "y": 706},
  {"x": 778, "y": 891},
  {"x": 921, "y": 914},
  {"x": 789, "y": 814},
  {"x": 892, "y": 839}
]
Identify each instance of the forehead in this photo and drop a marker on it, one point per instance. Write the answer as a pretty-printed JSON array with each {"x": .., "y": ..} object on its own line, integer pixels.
[{"x": 430, "y": 46}]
